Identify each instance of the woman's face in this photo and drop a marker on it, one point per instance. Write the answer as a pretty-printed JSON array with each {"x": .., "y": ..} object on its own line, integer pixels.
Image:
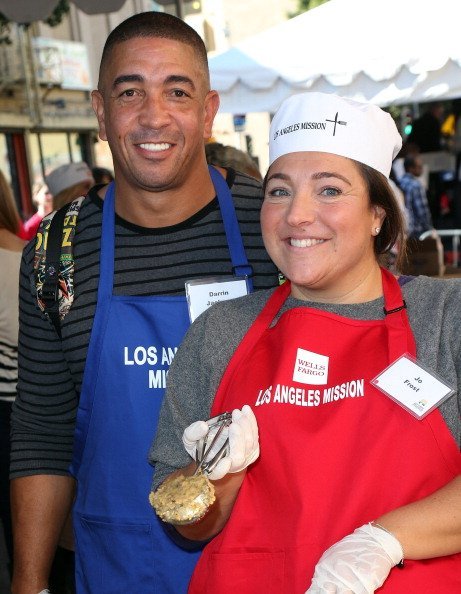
[{"x": 318, "y": 227}]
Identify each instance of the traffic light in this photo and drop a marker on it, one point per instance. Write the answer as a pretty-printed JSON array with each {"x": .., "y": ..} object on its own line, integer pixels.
[{"x": 408, "y": 123}]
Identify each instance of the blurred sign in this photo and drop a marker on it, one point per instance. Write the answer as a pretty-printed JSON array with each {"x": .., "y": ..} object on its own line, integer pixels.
[
  {"x": 11, "y": 68},
  {"x": 63, "y": 63},
  {"x": 239, "y": 122}
]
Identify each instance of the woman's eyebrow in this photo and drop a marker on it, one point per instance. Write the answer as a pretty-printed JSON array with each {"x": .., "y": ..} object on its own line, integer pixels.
[
  {"x": 281, "y": 176},
  {"x": 328, "y": 174}
]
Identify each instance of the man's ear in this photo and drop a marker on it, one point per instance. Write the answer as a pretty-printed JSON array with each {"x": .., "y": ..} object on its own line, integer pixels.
[
  {"x": 211, "y": 109},
  {"x": 98, "y": 107}
]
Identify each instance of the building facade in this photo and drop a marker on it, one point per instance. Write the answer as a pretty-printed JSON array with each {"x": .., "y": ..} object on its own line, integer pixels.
[{"x": 47, "y": 74}]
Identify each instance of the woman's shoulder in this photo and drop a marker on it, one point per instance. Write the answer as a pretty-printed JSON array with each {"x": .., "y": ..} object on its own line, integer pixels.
[
  {"x": 238, "y": 306},
  {"x": 432, "y": 290}
]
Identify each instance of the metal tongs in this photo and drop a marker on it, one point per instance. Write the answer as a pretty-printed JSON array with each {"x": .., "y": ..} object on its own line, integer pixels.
[{"x": 204, "y": 448}]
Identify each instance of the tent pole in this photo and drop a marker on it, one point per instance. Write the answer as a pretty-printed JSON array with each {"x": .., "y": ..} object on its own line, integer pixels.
[{"x": 179, "y": 9}]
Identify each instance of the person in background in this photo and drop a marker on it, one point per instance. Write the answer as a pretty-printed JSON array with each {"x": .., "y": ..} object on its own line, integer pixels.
[
  {"x": 344, "y": 385},
  {"x": 67, "y": 182},
  {"x": 102, "y": 175},
  {"x": 167, "y": 219},
  {"x": 426, "y": 132},
  {"x": 416, "y": 203},
  {"x": 11, "y": 247},
  {"x": 43, "y": 200},
  {"x": 456, "y": 141},
  {"x": 229, "y": 156}
]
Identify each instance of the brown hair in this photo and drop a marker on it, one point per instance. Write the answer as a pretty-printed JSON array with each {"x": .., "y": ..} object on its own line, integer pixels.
[
  {"x": 228, "y": 156},
  {"x": 155, "y": 24},
  {"x": 68, "y": 194},
  {"x": 393, "y": 227},
  {"x": 9, "y": 216}
]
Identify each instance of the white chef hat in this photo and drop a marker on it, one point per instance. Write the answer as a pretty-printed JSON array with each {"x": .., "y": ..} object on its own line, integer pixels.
[{"x": 327, "y": 123}]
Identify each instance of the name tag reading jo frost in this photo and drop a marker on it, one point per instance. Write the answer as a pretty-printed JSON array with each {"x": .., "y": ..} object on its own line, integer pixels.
[
  {"x": 202, "y": 293},
  {"x": 416, "y": 389}
]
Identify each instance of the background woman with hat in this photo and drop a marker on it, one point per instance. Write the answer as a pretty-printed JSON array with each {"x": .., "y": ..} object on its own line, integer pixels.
[
  {"x": 68, "y": 182},
  {"x": 344, "y": 450}
]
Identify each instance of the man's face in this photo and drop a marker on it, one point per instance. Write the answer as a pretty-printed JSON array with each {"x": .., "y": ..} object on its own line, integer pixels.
[
  {"x": 417, "y": 167},
  {"x": 155, "y": 110}
]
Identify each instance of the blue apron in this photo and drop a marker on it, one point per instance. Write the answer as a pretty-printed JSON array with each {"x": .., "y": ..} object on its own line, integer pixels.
[{"x": 121, "y": 546}]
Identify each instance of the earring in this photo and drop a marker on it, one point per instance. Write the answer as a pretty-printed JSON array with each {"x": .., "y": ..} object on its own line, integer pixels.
[{"x": 377, "y": 230}]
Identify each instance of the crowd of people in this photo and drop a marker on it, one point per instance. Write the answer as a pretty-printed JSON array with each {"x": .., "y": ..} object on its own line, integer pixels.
[{"x": 335, "y": 473}]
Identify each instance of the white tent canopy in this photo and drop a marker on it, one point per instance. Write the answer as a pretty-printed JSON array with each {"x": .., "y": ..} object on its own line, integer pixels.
[{"x": 383, "y": 51}]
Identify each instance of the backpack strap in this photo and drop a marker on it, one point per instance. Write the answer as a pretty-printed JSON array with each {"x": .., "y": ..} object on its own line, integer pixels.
[
  {"x": 54, "y": 262},
  {"x": 50, "y": 286}
]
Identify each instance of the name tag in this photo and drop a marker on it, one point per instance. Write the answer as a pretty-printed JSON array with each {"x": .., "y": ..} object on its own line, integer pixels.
[
  {"x": 202, "y": 293},
  {"x": 416, "y": 389}
]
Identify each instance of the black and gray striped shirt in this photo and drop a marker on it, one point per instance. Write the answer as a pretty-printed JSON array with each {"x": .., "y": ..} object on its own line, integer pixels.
[{"x": 147, "y": 262}]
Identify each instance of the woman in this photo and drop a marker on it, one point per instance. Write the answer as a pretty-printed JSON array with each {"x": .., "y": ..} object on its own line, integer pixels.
[
  {"x": 345, "y": 482},
  {"x": 43, "y": 200},
  {"x": 68, "y": 182},
  {"x": 10, "y": 257}
]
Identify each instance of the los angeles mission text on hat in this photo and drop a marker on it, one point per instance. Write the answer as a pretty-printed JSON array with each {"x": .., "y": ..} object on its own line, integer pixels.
[{"x": 303, "y": 126}]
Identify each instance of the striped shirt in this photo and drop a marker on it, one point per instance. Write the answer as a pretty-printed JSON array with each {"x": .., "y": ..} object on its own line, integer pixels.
[
  {"x": 147, "y": 262},
  {"x": 9, "y": 273}
]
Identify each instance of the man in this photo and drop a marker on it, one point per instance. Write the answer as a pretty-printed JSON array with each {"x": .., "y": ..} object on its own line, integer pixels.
[
  {"x": 416, "y": 204},
  {"x": 92, "y": 398},
  {"x": 426, "y": 133}
]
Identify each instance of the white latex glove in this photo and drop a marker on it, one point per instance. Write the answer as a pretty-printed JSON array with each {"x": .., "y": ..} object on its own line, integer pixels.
[
  {"x": 243, "y": 437},
  {"x": 194, "y": 433},
  {"x": 45, "y": 592},
  {"x": 357, "y": 564}
]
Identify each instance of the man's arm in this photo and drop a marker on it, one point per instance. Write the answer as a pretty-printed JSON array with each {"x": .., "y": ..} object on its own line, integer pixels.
[
  {"x": 40, "y": 505},
  {"x": 42, "y": 428}
]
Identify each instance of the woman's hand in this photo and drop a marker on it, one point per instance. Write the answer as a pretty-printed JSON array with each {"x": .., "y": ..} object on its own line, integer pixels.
[
  {"x": 243, "y": 437},
  {"x": 357, "y": 564}
]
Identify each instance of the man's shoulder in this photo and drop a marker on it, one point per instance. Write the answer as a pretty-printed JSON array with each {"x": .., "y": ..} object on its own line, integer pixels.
[{"x": 245, "y": 187}]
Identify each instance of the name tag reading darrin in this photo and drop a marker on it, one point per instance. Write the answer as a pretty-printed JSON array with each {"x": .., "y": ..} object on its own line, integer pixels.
[
  {"x": 202, "y": 293},
  {"x": 416, "y": 389}
]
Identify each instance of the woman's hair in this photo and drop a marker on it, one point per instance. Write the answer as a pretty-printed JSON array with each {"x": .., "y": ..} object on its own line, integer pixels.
[
  {"x": 228, "y": 156},
  {"x": 9, "y": 216},
  {"x": 393, "y": 227},
  {"x": 392, "y": 231}
]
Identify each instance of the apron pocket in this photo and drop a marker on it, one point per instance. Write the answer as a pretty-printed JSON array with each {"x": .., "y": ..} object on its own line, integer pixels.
[
  {"x": 246, "y": 573},
  {"x": 114, "y": 558}
]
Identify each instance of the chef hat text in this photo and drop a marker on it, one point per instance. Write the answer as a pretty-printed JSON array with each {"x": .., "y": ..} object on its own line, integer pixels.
[{"x": 331, "y": 124}]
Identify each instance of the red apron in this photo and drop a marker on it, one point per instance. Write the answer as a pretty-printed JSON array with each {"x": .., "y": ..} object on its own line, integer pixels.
[{"x": 335, "y": 452}]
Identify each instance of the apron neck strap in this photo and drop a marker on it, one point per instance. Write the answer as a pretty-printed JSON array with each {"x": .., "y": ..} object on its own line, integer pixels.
[
  {"x": 240, "y": 265},
  {"x": 400, "y": 336},
  {"x": 106, "y": 274}
]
